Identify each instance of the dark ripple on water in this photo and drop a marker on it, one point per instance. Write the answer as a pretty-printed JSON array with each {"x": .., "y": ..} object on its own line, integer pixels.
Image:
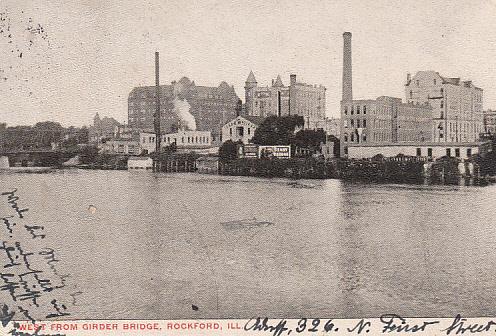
[{"x": 245, "y": 224}]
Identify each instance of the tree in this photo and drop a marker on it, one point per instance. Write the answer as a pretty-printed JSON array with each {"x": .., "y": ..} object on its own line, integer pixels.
[
  {"x": 48, "y": 125},
  {"x": 46, "y": 132},
  {"x": 172, "y": 148},
  {"x": 276, "y": 130},
  {"x": 310, "y": 139},
  {"x": 88, "y": 154},
  {"x": 83, "y": 135},
  {"x": 337, "y": 144},
  {"x": 239, "y": 107},
  {"x": 228, "y": 151}
]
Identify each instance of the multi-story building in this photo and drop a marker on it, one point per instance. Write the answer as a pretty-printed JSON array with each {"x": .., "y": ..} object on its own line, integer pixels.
[
  {"x": 456, "y": 105},
  {"x": 385, "y": 120},
  {"x": 209, "y": 107},
  {"x": 280, "y": 100},
  {"x": 490, "y": 121}
]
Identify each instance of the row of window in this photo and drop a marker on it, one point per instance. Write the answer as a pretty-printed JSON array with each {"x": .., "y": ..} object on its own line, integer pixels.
[
  {"x": 441, "y": 92},
  {"x": 429, "y": 152},
  {"x": 164, "y": 102},
  {"x": 240, "y": 131},
  {"x": 417, "y": 82},
  {"x": 190, "y": 140},
  {"x": 356, "y": 109},
  {"x": 381, "y": 137},
  {"x": 448, "y": 152},
  {"x": 125, "y": 149},
  {"x": 153, "y": 94},
  {"x": 354, "y": 137},
  {"x": 136, "y": 119},
  {"x": 358, "y": 123}
]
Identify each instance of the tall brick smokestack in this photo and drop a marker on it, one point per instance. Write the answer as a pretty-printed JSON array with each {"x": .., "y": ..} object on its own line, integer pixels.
[
  {"x": 347, "y": 74},
  {"x": 156, "y": 121}
]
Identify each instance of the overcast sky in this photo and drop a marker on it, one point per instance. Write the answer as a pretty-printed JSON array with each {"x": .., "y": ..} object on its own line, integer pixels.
[{"x": 90, "y": 54}]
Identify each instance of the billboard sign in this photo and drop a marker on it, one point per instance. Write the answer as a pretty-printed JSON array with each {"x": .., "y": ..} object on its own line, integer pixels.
[
  {"x": 248, "y": 151},
  {"x": 278, "y": 151}
]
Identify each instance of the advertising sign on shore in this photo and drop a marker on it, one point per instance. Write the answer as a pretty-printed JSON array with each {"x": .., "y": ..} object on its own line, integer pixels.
[{"x": 282, "y": 152}]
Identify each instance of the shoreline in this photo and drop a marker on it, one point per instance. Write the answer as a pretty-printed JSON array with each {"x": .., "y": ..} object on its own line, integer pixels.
[{"x": 452, "y": 180}]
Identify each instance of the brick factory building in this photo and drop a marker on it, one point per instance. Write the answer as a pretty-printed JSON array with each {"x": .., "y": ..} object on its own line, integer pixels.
[
  {"x": 184, "y": 105},
  {"x": 385, "y": 120}
]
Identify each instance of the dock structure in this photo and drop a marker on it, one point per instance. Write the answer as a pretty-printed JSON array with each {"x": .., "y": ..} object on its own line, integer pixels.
[{"x": 175, "y": 163}]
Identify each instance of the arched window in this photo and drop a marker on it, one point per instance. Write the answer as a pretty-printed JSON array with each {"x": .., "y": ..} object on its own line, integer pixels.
[{"x": 346, "y": 137}]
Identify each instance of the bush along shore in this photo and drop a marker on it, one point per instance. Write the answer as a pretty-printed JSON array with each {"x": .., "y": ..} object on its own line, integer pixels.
[
  {"x": 401, "y": 169},
  {"x": 272, "y": 167}
]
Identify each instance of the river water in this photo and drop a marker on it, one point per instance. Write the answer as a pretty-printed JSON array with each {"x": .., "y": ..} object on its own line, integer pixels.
[{"x": 238, "y": 247}]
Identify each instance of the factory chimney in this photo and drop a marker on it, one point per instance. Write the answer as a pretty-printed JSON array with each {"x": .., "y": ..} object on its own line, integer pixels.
[
  {"x": 156, "y": 121},
  {"x": 347, "y": 74}
]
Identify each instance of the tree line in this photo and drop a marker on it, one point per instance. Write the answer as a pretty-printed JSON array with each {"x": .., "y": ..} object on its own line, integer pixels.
[{"x": 41, "y": 136}]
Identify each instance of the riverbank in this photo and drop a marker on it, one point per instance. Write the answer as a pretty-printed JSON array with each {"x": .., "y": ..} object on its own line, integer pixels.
[{"x": 400, "y": 169}]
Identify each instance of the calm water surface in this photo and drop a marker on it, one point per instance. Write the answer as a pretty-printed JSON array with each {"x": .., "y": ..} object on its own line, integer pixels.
[{"x": 241, "y": 247}]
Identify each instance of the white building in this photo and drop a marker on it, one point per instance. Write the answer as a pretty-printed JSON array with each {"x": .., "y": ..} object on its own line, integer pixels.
[
  {"x": 139, "y": 163},
  {"x": 121, "y": 146},
  {"x": 327, "y": 149},
  {"x": 432, "y": 150},
  {"x": 184, "y": 140},
  {"x": 241, "y": 128}
]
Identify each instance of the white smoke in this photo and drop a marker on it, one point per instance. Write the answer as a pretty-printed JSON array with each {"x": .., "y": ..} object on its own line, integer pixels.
[{"x": 181, "y": 109}]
